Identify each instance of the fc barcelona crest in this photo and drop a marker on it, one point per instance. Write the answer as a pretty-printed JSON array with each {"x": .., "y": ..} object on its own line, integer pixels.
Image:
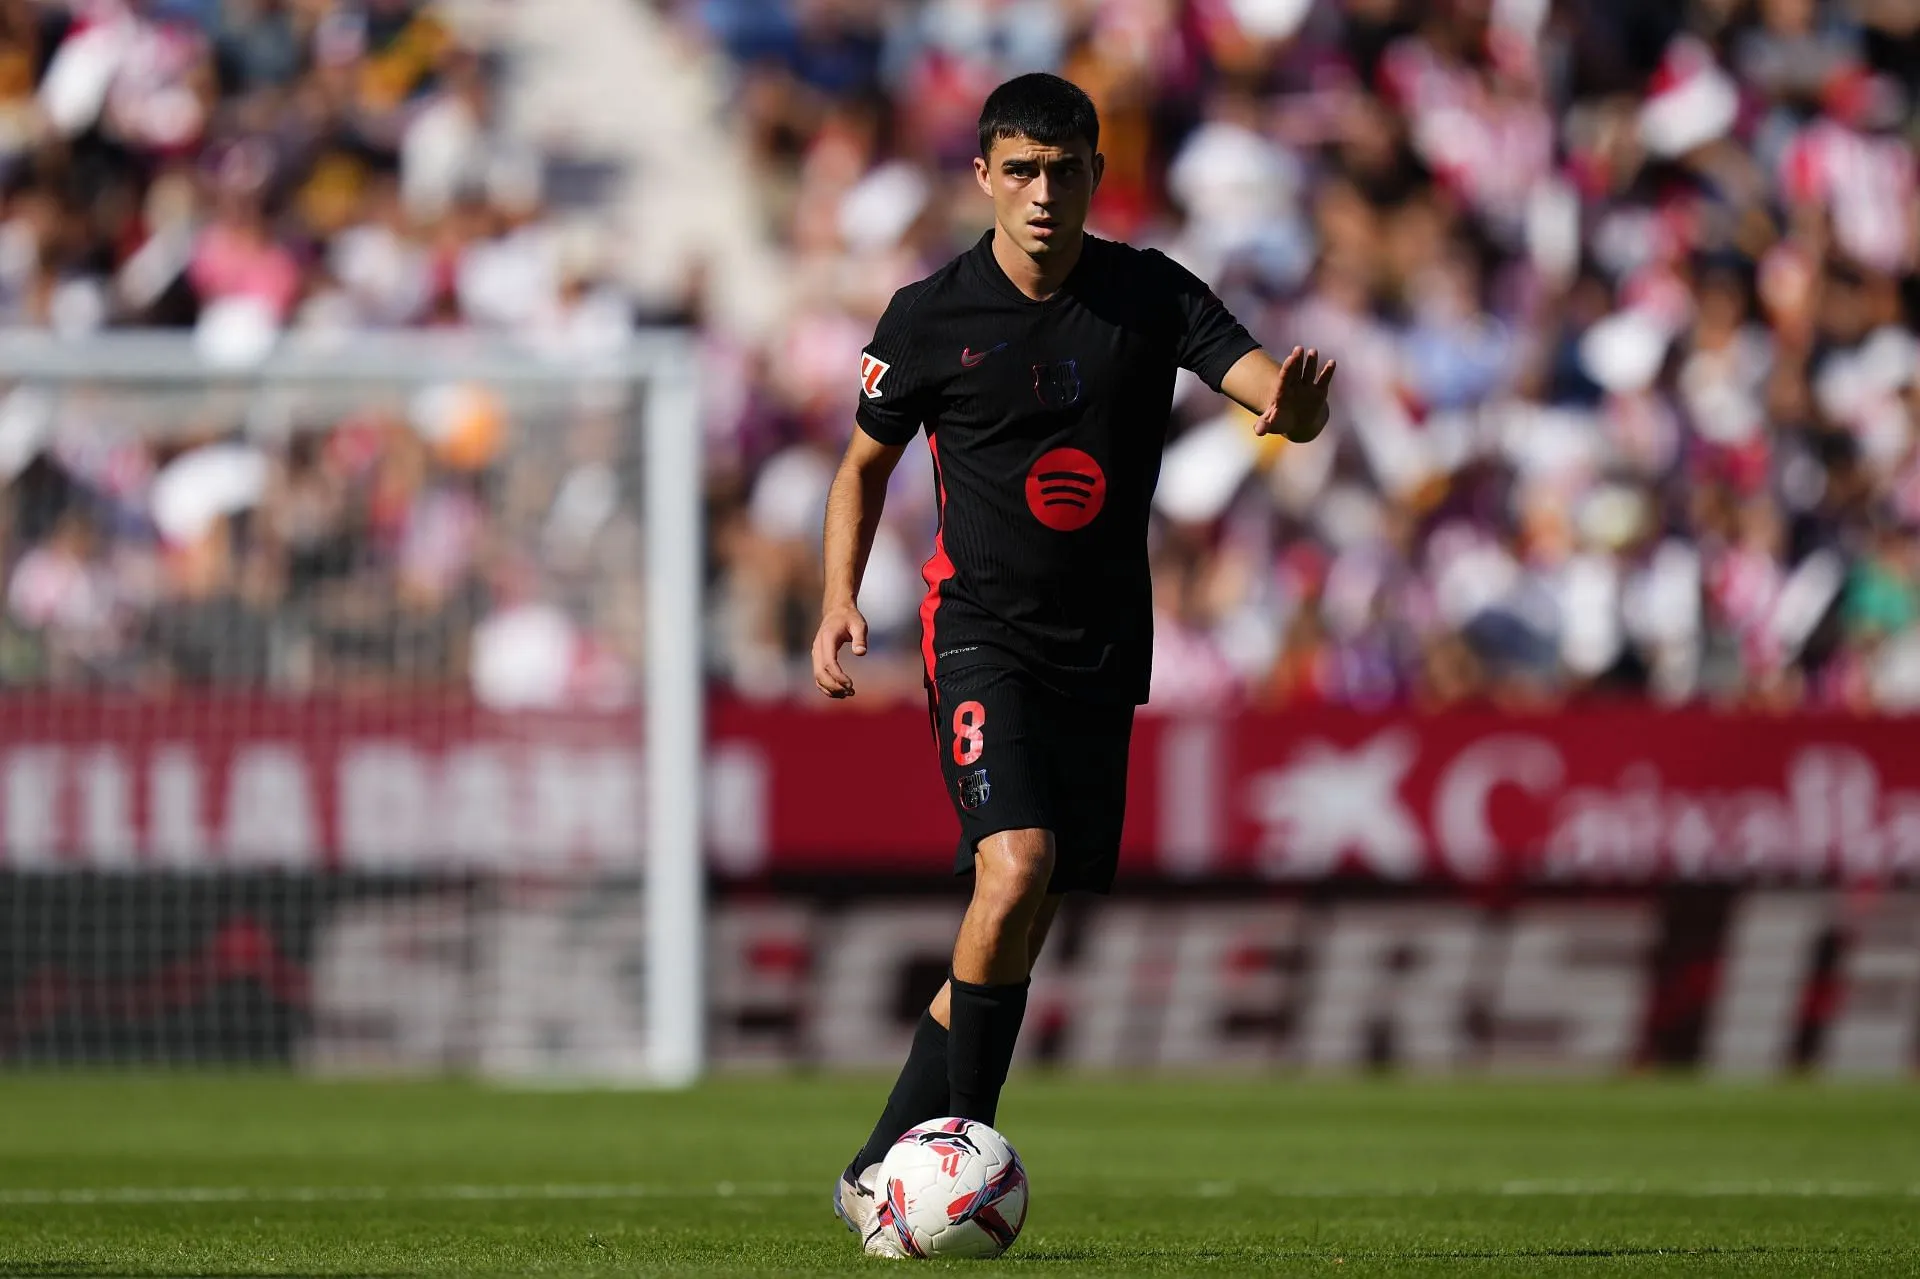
[
  {"x": 974, "y": 789},
  {"x": 1057, "y": 385}
]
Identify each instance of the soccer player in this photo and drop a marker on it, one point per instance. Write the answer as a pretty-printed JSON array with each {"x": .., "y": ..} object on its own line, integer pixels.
[{"x": 1041, "y": 363}]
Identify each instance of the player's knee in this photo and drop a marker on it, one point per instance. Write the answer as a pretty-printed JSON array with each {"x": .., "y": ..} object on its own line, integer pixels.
[
  {"x": 1013, "y": 873},
  {"x": 1008, "y": 896}
]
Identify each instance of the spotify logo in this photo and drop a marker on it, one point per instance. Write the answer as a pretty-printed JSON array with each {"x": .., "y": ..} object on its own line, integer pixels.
[{"x": 1065, "y": 489}]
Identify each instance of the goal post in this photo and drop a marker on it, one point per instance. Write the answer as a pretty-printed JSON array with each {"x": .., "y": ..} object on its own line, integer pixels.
[
  {"x": 674, "y": 729},
  {"x": 167, "y": 386}
]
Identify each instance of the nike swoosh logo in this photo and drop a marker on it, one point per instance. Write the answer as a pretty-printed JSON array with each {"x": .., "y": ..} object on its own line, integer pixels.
[{"x": 968, "y": 358}]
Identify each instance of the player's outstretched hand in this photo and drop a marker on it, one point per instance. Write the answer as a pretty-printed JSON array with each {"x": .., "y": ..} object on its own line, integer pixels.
[
  {"x": 841, "y": 625},
  {"x": 1299, "y": 408}
]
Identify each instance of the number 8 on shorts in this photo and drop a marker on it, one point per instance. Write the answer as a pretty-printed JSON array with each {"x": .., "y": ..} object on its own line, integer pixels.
[{"x": 969, "y": 741}]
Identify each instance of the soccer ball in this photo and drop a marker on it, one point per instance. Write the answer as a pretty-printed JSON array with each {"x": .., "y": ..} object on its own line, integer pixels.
[{"x": 952, "y": 1188}]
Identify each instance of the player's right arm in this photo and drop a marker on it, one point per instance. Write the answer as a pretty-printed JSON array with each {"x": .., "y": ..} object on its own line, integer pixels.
[
  {"x": 894, "y": 400},
  {"x": 853, "y": 514}
]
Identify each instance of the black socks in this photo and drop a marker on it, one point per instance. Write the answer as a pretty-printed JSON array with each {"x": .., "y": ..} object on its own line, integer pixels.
[
  {"x": 985, "y": 1025},
  {"x": 958, "y": 1072},
  {"x": 918, "y": 1095}
]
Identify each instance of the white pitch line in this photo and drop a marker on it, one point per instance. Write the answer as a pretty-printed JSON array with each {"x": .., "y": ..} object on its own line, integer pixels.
[
  {"x": 1717, "y": 1189},
  {"x": 369, "y": 1194},
  {"x": 562, "y": 1191}
]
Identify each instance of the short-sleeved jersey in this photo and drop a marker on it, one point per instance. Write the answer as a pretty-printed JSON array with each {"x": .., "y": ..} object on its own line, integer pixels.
[{"x": 1047, "y": 421}]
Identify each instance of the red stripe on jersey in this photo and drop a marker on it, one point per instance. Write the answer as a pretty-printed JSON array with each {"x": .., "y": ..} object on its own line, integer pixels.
[{"x": 938, "y": 568}]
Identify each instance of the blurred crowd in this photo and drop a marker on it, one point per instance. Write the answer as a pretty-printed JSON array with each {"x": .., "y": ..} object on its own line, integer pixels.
[
  {"x": 238, "y": 170},
  {"x": 1623, "y": 294}
]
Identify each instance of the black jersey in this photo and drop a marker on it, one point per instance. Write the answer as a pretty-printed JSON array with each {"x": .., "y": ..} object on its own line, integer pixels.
[{"x": 1047, "y": 421}]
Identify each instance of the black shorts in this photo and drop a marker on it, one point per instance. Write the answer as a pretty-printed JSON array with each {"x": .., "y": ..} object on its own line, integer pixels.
[{"x": 1017, "y": 755}]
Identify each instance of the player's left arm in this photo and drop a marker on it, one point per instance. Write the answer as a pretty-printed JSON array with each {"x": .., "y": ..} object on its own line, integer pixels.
[{"x": 1290, "y": 397}]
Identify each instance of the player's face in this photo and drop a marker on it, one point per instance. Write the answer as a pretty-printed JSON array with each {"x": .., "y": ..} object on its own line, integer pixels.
[{"x": 1040, "y": 192}]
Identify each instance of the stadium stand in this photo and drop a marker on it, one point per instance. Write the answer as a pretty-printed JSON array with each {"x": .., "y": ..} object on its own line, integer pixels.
[
  {"x": 1628, "y": 376},
  {"x": 1627, "y": 401},
  {"x": 265, "y": 167}
]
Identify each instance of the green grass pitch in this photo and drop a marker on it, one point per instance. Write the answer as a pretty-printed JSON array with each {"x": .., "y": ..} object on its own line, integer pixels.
[{"x": 210, "y": 1174}]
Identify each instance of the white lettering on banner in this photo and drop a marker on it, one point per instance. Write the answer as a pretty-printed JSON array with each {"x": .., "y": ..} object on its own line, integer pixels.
[
  {"x": 394, "y": 806},
  {"x": 1461, "y": 798},
  {"x": 1327, "y": 803},
  {"x": 1572, "y": 991},
  {"x": 1903, "y": 834},
  {"x": 33, "y": 788},
  {"x": 586, "y": 807},
  {"x": 1746, "y": 832},
  {"x": 860, "y": 975},
  {"x": 1189, "y": 837},
  {"x": 543, "y": 982},
  {"x": 1843, "y": 823},
  {"x": 560, "y": 976},
  {"x": 270, "y": 814},
  {"x": 484, "y": 805},
  {"x": 1763, "y": 969},
  {"x": 739, "y": 786},
  {"x": 385, "y": 806},
  {"x": 1829, "y": 816},
  {"x": 477, "y": 820},
  {"x": 106, "y": 809},
  {"x": 1877, "y": 1024},
  {"x": 176, "y": 831},
  {"x": 1604, "y": 834},
  {"x": 1404, "y": 971},
  {"x": 1447, "y": 797},
  {"x": 388, "y": 987},
  {"x": 1226, "y": 968},
  {"x": 759, "y": 991},
  {"x": 1052, "y": 996},
  {"x": 1118, "y": 979},
  {"x": 1832, "y": 817},
  {"x": 1814, "y": 782}
]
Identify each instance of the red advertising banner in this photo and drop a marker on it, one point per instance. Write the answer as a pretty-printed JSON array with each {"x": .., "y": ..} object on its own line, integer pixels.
[
  {"x": 255, "y": 784},
  {"x": 1615, "y": 796}
]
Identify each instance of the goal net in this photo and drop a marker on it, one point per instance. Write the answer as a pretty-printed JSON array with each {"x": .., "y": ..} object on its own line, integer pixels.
[{"x": 324, "y": 684}]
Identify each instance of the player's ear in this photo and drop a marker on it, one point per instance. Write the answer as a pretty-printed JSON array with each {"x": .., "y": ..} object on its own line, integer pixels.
[
  {"x": 983, "y": 174},
  {"x": 1099, "y": 167}
]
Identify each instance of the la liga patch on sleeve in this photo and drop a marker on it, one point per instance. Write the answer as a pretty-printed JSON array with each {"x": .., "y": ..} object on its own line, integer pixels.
[{"x": 872, "y": 369}]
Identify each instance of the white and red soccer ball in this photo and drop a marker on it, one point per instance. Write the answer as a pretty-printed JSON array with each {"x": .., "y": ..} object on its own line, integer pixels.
[{"x": 952, "y": 1188}]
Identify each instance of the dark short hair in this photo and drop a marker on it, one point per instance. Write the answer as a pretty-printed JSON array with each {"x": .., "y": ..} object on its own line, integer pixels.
[{"x": 1042, "y": 107}]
